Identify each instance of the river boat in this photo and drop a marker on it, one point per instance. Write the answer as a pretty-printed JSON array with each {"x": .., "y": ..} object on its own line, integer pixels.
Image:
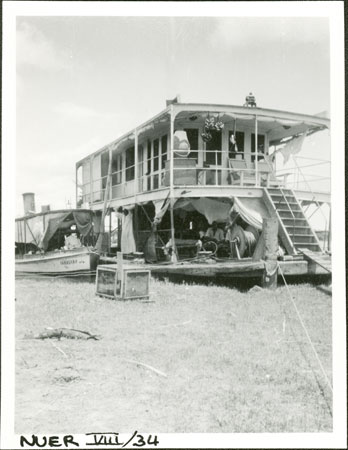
[
  {"x": 56, "y": 242},
  {"x": 166, "y": 181}
]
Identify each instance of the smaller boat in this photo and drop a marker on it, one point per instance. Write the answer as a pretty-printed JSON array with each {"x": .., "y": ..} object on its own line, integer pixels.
[{"x": 56, "y": 242}]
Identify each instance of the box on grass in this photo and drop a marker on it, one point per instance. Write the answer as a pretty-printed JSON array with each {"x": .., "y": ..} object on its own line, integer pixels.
[{"x": 125, "y": 284}]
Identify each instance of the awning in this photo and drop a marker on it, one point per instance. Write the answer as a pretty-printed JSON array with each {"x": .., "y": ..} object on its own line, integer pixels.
[
  {"x": 39, "y": 229},
  {"x": 251, "y": 210}
]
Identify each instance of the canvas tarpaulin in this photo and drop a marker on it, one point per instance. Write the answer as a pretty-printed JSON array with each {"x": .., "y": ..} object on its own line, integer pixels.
[
  {"x": 83, "y": 222},
  {"x": 213, "y": 210},
  {"x": 54, "y": 222},
  {"x": 40, "y": 229},
  {"x": 292, "y": 147},
  {"x": 251, "y": 210},
  {"x": 127, "y": 236},
  {"x": 161, "y": 207}
]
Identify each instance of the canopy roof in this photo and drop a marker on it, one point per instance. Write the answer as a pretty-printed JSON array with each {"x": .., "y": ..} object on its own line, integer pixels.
[
  {"x": 53, "y": 213},
  {"x": 277, "y": 124},
  {"x": 39, "y": 228}
]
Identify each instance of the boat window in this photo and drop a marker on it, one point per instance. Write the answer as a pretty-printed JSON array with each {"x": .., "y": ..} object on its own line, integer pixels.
[
  {"x": 155, "y": 182},
  {"x": 192, "y": 136},
  {"x": 213, "y": 147},
  {"x": 155, "y": 154},
  {"x": 164, "y": 145},
  {"x": 233, "y": 150},
  {"x": 116, "y": 169},
  {"x": 260, "y": 146},
  {"x": 130, "y": 164}
]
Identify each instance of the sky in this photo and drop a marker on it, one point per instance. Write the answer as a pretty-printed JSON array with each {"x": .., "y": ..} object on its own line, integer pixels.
[{"x": 84, "y": 81}]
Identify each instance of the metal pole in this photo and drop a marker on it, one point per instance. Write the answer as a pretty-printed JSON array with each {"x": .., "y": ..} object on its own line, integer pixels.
[
  {"x": 234, "y": 155},
  {"x": 110, "y": 159},
  {"x": 25, "y": 236},
  {"x": 110, "y": 229},
  {"x": 135, "y": 163},
  {"x": 256, "y": 154},
  {"x": 76, "y": 188},
  {"x": 91, "y": 180},
  {"x": 171, "y": 183}
]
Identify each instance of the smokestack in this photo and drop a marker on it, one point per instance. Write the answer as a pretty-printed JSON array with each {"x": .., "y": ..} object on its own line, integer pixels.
[{"x": 29, "y": 203}]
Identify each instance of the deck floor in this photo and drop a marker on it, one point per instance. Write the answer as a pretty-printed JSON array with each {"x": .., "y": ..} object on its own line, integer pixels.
[{"x": 228, "y": 268}]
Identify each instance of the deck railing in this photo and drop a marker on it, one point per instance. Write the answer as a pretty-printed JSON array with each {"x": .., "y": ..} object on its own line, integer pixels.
[{"x": 211, "y": 168}]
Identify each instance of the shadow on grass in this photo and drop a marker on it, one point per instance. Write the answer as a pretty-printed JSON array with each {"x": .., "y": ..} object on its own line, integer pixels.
[
  {"x": 322, "y": 282},
  {"x": 244, "y": 284}
]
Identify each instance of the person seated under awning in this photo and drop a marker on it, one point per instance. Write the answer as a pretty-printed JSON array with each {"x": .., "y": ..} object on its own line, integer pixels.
[{"x": 214, "y": 232}]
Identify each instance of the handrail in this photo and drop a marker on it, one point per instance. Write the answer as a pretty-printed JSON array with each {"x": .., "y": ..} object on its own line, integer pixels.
[
  {"x": 309, "y": 165},
  {"x": 311, "y": 191},
  {"x": 288, "y": 205}
]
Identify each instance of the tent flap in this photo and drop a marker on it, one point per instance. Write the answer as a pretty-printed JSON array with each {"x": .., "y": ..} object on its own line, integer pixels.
[
  {"x": 83, "y": 222},
  {"x": 51, "y": 227},
  {"x": 251, "y": 210}
]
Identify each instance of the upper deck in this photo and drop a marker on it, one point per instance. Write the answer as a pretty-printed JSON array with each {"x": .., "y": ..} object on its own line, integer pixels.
[{"x": 236, "y": 155}]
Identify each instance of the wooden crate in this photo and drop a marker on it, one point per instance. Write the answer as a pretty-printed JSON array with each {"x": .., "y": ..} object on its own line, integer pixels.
[{"x": 126, "y": 284}]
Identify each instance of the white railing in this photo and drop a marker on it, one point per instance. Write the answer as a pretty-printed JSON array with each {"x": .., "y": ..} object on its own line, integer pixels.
[
  {"x": 311, "y": 175},
  {"x": 208, "y": 168}
]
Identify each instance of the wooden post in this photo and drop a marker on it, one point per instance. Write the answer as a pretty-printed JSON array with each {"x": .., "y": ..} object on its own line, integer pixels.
[
  {"x": 330, "y": 231},
  {"x": 76, "y": 188},
  {"x": 99, "y": 244},
  {"x": 110, "y": 229},
  {"x": 120, "y": 273},
  {"x": 256, "y": 154},
  {"x": 136, "y": 171},
  {"x": 270, "y": 236},
  {"x": 136, "y": 226},
  {"x": 171, "y": 185},
  {"x": 25, "y": 236},
  {"x": 91, "y": 196}
]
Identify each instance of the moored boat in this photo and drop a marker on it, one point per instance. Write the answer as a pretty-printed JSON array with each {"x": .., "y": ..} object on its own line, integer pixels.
[
  {"x": 79, "y": 260},
  {"x": 56, "y": 242},
  {"x": 197, "y": 182}
]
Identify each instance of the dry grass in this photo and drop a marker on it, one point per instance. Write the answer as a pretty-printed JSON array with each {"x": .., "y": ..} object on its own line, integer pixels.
[{"x": 235, "y": 362}]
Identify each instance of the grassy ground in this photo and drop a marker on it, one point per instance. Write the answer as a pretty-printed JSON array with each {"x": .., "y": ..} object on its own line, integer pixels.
[{"x": 234, "y": 362}]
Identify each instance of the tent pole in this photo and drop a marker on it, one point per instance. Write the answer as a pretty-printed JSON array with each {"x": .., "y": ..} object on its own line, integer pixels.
[
  {"x": 109, "y": 240},
  {"x": 25, "y": 236},
  {"x": 135, "y": 164},
  {"x": 76, "y": 190},
  {"x": 330, "y": 231},
  {"x": 171, "y": 184},
  {"x": 99, "y": 244},
  {"x": 234, "y": 155},
  {"x": 256, "y": 154}
]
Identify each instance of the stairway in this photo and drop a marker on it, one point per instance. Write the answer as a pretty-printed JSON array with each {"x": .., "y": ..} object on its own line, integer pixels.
[{"x": 294, "y": 229}]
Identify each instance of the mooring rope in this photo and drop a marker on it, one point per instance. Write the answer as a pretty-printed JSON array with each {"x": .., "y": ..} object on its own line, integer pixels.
[{"x": 306, "y": 333}]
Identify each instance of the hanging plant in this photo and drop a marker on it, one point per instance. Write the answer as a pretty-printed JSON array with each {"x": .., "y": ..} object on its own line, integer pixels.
[
  {"x": 213, "y": 124},
  {"x": 206, "y": 136}
]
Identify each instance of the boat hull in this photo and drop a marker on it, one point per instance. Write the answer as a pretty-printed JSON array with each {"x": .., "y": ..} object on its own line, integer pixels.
[{"x": 69, "y": 261}]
